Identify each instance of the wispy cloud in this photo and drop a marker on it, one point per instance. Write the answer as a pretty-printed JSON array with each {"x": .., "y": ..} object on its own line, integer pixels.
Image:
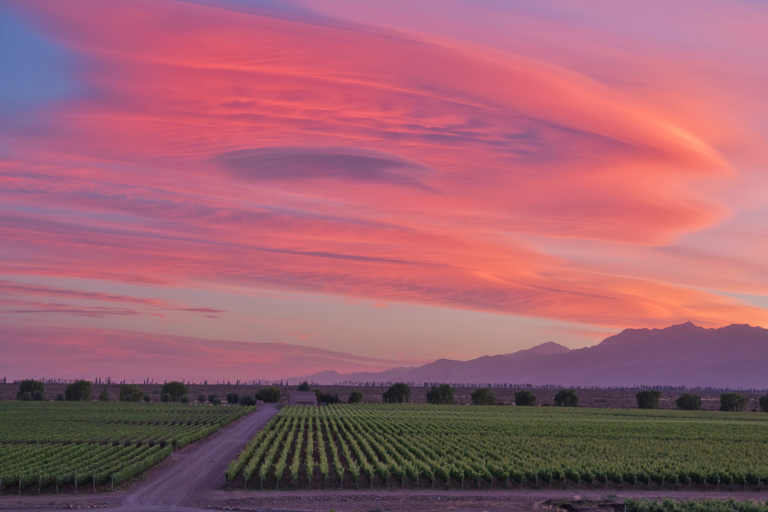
[{"x": 395, "y": 156}]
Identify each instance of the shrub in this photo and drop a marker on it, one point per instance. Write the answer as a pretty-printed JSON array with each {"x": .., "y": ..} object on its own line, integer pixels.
[
  {"x": 175, "y": 389},
  {"x": 60, "y": 397},
  {"x": 29, "y": 385},
  {"x": 688, "y": 402},
  {"x": 648, "y": 399},
  {"x": 131, "y": 390},
  {"x": 165, "y": 397},
  {"x": 24, "y": 397},
  {"x": 442, "y": 394},
  {"x": 104, "y": 396},
  {"x": 201, "y": 398},
  {"x": 184, "y": 399},
  {"x": 732, "y": 402},
  {"x": 232, "y": 398},
  {"x": 216, "y": 401},
  {"x": 566, "y": 398},
  {"x": 269, "y": 395},
  {"x": 304, "y": 386},
  {"x": 483, "y": 396},
  {"x": 247, "y": 400},
  {"x": 355, "y": 397},
  {"x": 211, "y": 398},
  {"x": 126, "y": 398},
  {"x": 78, "y": 391},
  {"x": 328, "y": 398},
  {"x": 147, "y": 398},
  {"x": 764, "y": 403},
  {"x": 397, "y": 394},
  {"x": 525, "y": 398},
  {"x": 37, "y": 396}
]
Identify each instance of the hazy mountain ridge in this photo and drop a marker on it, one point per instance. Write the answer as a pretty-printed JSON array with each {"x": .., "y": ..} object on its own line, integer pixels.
[{"x": 685, "y": 354}]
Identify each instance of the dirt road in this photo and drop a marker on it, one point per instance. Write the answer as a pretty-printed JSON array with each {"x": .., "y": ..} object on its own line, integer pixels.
[{"x": 199, "y": 471}]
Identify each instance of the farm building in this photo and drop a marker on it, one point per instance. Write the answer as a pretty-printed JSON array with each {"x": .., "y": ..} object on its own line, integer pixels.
[{"x": 302, "y": 398}]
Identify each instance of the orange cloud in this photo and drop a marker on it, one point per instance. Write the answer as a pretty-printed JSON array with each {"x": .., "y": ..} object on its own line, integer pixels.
[{"x": 294, "y": 153}]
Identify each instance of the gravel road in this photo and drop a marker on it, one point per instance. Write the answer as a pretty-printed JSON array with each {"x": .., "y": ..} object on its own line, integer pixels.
[{"x": 198, "y": 472}]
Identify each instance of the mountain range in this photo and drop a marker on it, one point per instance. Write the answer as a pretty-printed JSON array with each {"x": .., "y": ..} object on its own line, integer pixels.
[{"x": 735, "y": 356}]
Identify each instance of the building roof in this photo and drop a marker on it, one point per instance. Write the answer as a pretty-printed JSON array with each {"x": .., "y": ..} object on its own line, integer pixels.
[{"x": 303, "y": 396}]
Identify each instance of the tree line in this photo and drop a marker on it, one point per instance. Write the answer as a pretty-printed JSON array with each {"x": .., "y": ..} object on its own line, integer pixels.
[
  {"x": 400, "y": 392},
  {"x": 174, "y": 391}
]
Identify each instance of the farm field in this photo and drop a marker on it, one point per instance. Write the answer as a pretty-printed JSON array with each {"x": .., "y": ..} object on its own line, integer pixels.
[
  {"x": 50, "y": 445},
  {"x": 444, "y": 447}
]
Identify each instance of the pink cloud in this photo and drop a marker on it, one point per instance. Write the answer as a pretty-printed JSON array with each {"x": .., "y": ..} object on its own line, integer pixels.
[
  {"x": 74, "y": 353},
  {"x": 375, "y": 162}
]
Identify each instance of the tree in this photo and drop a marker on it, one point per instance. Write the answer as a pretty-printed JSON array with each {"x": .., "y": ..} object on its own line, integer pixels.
[
  {"x": 131, "y": 390},
  {"x": 483, "y": 396},
  {"x": 201, "y": 398},
  {"x": 38, "y": 396},
  {"x": 165, "y": 397},
  {"x": 175, "y": 389},
  {"x": 247, "y": 400},
  {"x": 355, "y": 397},
  {"x": 397, "y": 394},
  {"x": 184, "y": 399},
  {"x": 688, "y": 402},
  {"x": 525, "y": 398},
  {"x": 764, "y": 403},
  {"x": 60, "y": 397},
  {"x": 104, "y": 396},
  {"x": 732, "y": 402},
  {"x": 442, "y": 394},
  {"x": 232, "y": 398},
  {"x": 270, "y": 395},
  {"x": 566, "y": 398},
  {"x": 304, "y": 386},
  {"x": 328, "y": 398},
  {"x": 216, "y": 401},
  {"x": 78, "y": 391},
  {"x": 24, "y": 397},
  {"x": 29, "y": 385},
  {"x": 147, "y": 398},
  {"x": 211, "y": 398},
  {"x": 648, "y": 399}
]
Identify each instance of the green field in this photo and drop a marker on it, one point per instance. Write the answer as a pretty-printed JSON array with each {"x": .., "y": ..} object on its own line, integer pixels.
[
  {"x": 450, "y": 446},
  {"x": 53, "y": 444}
]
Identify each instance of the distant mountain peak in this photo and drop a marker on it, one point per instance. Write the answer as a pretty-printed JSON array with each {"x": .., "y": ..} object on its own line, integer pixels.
[
  {"x": 548, "y": 348},
  {"x": 679, "y": 355}
]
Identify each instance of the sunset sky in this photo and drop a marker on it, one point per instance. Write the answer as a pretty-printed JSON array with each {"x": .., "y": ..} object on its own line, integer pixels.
[{"x": 360, "y": 185}]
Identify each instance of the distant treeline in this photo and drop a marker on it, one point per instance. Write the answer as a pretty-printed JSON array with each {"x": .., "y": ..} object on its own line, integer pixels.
[
  {"x": 506, "y": 385},
  {"x": 497, "y": 385}
]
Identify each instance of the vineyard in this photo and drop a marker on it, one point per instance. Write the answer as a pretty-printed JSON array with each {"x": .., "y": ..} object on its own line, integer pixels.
[
  {"x": 47, "y": 445},
  {"x": 417, "y": 446}
]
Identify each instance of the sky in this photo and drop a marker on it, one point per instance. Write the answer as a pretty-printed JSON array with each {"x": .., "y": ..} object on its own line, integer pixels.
[{"x": 259, "y": 189}]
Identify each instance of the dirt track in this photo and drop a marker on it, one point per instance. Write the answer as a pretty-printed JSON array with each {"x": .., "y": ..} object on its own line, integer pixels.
[{"x": 200, "y": 471}]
